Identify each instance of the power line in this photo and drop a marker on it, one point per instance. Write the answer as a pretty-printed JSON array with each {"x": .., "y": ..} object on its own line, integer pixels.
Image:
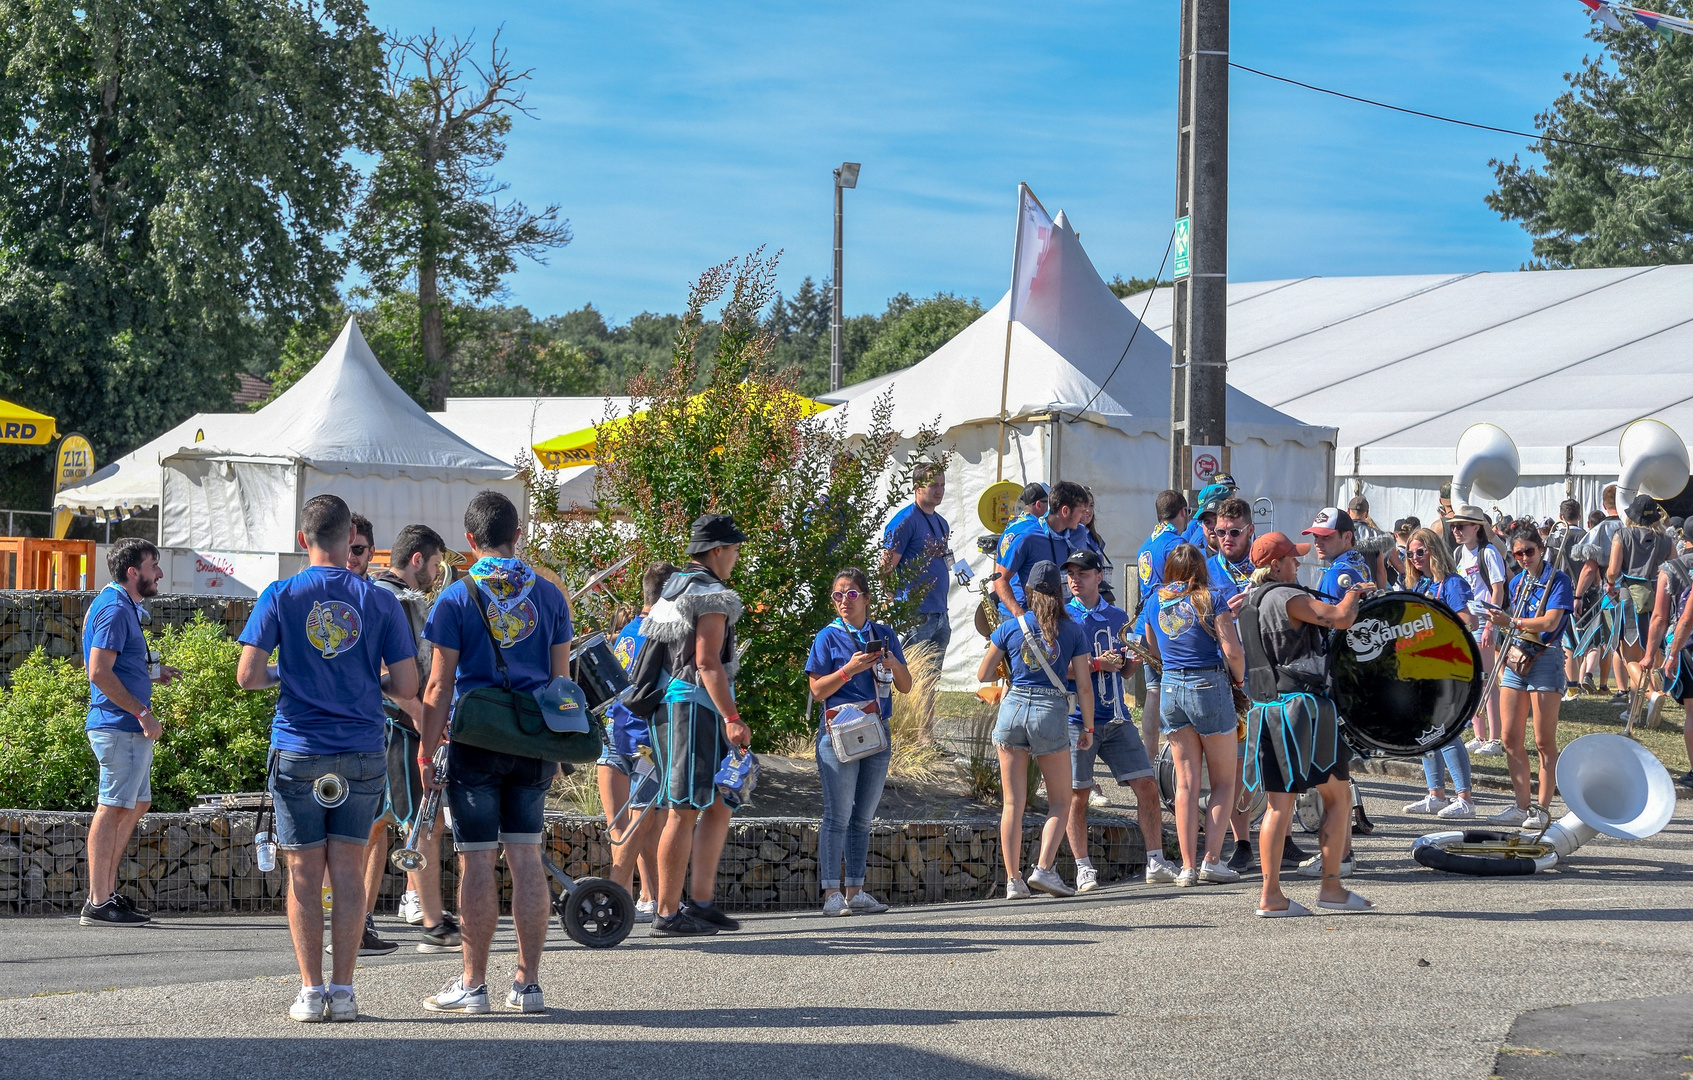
[
  {"x": 1463, "y": 123},
  {"x": 1143, "y": 310}
]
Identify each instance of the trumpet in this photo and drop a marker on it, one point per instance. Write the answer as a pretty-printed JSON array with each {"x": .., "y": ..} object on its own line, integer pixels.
[
  {"x": 330, "y": 790},
  {"x": 410, "y": 859},
  {"x": 1111, "y": 698}
]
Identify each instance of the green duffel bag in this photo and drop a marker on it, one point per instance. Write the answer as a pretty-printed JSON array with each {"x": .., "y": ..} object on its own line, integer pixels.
[{"x": 509, "y": 721}]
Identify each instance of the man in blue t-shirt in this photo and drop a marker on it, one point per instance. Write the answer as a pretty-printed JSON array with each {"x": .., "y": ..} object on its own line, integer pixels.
[
  {"x": 1115, "y": 739},
  {"x": 120, "y": 726},
  {"x": 1333, "y": 534},
  {"x": 1049, "y": 540},
  {"x": 916, "y": 552},
  {"x": 1173, "y": 519},
  {"x": 332, "y": 631},
  {"x": 1034, "y": 501},
  {"x": 500, "y": 625}
]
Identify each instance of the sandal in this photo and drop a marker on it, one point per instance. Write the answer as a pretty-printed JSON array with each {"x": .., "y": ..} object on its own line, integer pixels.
[
  {"x": 1353, "y": 902},
  {"x": 1293, "y": 910}
]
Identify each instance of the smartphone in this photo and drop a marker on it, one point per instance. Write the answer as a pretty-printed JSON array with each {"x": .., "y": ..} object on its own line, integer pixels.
[{"x": 874, "y": 646}]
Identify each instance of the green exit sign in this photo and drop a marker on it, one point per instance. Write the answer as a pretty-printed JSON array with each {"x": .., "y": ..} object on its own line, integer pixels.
[{"x": 1183, "y": 245}]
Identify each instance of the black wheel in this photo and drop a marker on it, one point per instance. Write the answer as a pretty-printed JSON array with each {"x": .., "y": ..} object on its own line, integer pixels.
[{"x": 597, "y": 913}]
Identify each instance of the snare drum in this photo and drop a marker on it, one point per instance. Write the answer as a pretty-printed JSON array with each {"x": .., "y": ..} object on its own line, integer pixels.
[
  {"x": 595, "y": 669},
  {"x": 1252, "y": 802}
]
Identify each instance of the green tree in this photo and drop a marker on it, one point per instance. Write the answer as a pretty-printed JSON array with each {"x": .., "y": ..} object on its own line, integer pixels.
[
  {"x": 810, "y": 499},
  {"x": 909, "y": 337},
  {"x": 172, "y": 176},
  {"x": 1588, "y": 206},
  {"x": 429, "y": 219},
  {"x": 1130, "y": 287}
]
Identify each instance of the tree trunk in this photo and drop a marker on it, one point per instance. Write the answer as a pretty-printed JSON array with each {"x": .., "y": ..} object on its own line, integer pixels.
[{"x": 429, "y": 330}]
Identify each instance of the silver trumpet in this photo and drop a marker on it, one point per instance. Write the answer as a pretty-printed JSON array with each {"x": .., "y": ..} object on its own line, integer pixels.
[
  {"x": 1111, "y": 698},
  {"x": 330, "y": 790},
  {"x": 410, "y": 859}
]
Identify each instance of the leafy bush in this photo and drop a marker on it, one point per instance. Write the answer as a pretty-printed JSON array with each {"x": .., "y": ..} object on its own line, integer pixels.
[{"x": 216, "y": 734}]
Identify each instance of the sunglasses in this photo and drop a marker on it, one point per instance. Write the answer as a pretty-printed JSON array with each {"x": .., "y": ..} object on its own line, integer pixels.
[
  {"x": 1524, "y": 554},
  {"x": 1232, "y": 533},
  {"x": 1417, "y": 553},
  {"x": 359, "y": 549},
  {"x": 847, "y": 596}
]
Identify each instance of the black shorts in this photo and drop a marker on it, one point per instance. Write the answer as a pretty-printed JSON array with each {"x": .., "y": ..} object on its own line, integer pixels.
[
  {"x": 1681, "y": 687},
  {"x": 404, "y": 785},
  {"x": 1307, "y": 739},
  {"x": 689, "y": 745}
]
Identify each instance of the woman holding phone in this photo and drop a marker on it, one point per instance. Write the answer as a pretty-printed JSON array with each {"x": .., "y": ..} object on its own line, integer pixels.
[{"x": 853, "y": 661}]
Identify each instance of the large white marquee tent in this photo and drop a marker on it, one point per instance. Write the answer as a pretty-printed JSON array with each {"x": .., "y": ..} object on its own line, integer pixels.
[
  {"x": 344, "y": 429},
  {"x": 1089, "y": 399},
  {"x": 1562, "y": 360}
]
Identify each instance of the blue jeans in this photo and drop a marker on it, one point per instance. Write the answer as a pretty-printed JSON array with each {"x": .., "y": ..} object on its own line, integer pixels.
[
  {"x": 935, "y": 629},
  {"x": 851, "y": 793},
  {"x": 1034, "y": 718},
  {"x": 1457, "y": 763},
  {"x": 302, "y": 822}
]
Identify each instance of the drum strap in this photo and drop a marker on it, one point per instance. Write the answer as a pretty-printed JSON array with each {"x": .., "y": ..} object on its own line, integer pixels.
[{"x": 1302, "y": 732}]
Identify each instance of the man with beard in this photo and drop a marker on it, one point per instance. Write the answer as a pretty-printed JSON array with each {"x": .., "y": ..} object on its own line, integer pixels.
[{"x": 120, "y": 724}]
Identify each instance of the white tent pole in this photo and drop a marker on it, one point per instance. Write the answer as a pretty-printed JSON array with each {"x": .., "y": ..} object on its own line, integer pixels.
[{"x": 1010, "y": 310}]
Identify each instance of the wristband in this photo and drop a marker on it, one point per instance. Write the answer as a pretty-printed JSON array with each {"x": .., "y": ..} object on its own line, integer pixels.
[
  {"x": 421, "y": 760},
  {"x": 735, "y": 719},
  {"x": 1093, "y": 665}
]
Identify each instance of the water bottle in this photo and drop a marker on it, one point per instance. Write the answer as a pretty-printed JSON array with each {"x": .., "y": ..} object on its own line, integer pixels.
[{"x": 264, "y": 846}]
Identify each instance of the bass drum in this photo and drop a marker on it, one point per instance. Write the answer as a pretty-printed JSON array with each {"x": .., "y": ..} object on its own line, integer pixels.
[
  {"x": 1253, "y": 802},
  {"x": 597, "y": 672},
  {"x": 1407, "y": 675}
]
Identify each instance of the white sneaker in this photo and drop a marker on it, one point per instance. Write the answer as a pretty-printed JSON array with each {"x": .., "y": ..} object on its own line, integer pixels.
[
  {"x": 1188, "y": 877},
  {"x": 411, "y": 908},
  {"x": 1491, "y": 748},
  {"x": 1458, "y": 808},
  {"x": 1087, "y": 879},
  {"x": 1217, "y": 873},
  {"x": 645, "y": 910},
  {"x": 862, "y": 903},
  {"x": 1511, "y": 815},
  {"x": 1536, "y": 821},
  {"x": 456, "y": 997},
  {"x": 525, "y": 998},
  {"x": 1159, "y": 870},
  {"x": 837, "y": 904},
  {"x": 1428, "y": 804},
  {"x": 1048, "y": 881},
  {"x": 1571, "y": 693},
  {"x": 1473, "y": 744},
  {"x": 343, "y": 1006},
  {"x": 1017, "y": 889},
  {"x": 1313, "y": 867},
  {"x": 1096, "y": 797},
  {"x": 309, "y": 1007}
]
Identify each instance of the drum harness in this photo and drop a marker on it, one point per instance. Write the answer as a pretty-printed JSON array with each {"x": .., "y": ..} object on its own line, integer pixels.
[{"x": 1288, "y": 706}]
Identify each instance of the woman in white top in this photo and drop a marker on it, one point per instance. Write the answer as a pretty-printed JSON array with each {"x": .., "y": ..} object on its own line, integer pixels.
[{"x": 1484, "y": 571}]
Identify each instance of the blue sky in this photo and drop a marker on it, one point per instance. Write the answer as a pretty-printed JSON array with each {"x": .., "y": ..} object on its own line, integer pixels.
[{"x": 678, "y": 135}]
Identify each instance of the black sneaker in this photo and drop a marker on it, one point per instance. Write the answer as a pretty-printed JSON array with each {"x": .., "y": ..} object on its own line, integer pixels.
[
  {"x": 129, "y": 905},
  {"x": 372, "y": 944},
  {"x": 1291, "y": 853},
  {"x": 681, "y": 924},
  {"x": 1241, "y": 861},
  {"x": 443, "y": 938},
  {"x": 709, "y": 915},
  {"x": 1618, "y": 698},
  {"x": 111, "y": 913},
  {"x": 1685, "y": 779}
]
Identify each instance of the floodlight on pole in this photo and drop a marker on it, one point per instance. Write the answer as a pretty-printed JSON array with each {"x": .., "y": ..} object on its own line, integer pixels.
[{"x": 845, "y": 177}]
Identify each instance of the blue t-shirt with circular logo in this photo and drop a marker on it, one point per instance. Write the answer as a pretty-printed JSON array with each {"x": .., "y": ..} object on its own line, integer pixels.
[
  {"x": 528, "y": 634},
  {"x": 1026, "y": 669},
  {"x": 334, "y": 630},
  {"x": 1185, "y": 638}
]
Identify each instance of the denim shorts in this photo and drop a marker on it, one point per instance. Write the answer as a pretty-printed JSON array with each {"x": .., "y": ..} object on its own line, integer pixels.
[
  {"x": 625, "y": 764},
  {"x": 126, "y": 766},
  {"x": 1546, "y": 673},
  {"x": 1033, "y": 718},
  {"x": 1121, "y": 747},
  {"x": 1199, "y": 698},
  {"x": 302, "y": 822},
  {"x": 496, "y": 798}
]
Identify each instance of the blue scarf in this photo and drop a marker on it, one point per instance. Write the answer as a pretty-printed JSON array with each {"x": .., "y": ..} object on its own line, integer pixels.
[
  {"x": 1097, "y": 609},
  {"x": 507, "y": 582}
]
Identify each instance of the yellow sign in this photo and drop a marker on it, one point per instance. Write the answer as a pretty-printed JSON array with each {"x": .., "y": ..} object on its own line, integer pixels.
[
  {"x": 998, "y": 504},
  {"x": 582, "y": 447},
  {"x": 75, "y": 464},
  {"x": 24, "y": 427}
]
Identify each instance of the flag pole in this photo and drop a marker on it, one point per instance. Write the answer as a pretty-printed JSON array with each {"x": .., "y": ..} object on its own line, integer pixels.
[{"x": 1010, "y": 305}]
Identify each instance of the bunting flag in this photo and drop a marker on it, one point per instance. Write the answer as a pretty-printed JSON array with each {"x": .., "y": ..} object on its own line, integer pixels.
[{"x": 1665, "y": 26}]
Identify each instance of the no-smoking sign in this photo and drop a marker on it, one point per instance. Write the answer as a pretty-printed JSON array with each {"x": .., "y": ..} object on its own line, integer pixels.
[{"x": 1207, "y": 463}]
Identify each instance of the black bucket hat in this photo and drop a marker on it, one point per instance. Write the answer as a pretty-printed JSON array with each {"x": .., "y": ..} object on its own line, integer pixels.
[{"x": 713, "y": 531}]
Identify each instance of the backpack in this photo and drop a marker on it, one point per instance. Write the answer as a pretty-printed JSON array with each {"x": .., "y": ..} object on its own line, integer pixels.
[
  {"x": 649, "y": 677},
  {"x": 1263, "y": 677}
]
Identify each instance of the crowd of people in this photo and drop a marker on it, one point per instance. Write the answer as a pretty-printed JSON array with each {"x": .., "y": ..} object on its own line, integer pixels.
[{"x": 371, "y": 665}]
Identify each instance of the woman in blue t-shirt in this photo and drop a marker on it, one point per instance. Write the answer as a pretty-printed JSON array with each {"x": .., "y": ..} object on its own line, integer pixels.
[
  {"x": 1193, "y": 633},
  {"x": 855, "y": 662},
  {"x": 1541, "y": 688},
  {"x": 1431, "y": 571},
  {"x": 1049, "y": 660}
]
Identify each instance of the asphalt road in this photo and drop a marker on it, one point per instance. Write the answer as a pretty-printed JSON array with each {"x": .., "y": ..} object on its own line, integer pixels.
[{"x": 1134, "y": 981}]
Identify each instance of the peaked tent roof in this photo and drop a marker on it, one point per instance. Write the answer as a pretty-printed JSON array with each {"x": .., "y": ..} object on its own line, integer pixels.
[
  {"x": 1558, "y": 358},
  {"x": 133, "y": 480},
  {"x": 347, "y": 416},
  {"x": 1072, "y": 338}
]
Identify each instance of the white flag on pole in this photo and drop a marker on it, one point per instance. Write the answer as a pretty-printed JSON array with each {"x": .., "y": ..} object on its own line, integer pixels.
[{"x": 1034, "y": 242}]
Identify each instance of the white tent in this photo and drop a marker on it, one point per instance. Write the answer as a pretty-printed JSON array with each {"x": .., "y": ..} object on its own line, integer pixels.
[
  {"x": 344, "y": 429},
  {"x": 1562, "y": 360},
  {"x": 507, "y": 427},
  {"x": 133, "y": 481},
  {"x": 1088, "y": 391}
]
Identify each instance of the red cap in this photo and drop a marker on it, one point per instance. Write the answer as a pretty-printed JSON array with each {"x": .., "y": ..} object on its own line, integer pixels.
[{"x": 1272, "y": 546}]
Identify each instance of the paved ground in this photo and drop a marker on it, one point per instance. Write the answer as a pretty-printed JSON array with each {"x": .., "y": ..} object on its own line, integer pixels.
[{"x": 1139, "y": 981}]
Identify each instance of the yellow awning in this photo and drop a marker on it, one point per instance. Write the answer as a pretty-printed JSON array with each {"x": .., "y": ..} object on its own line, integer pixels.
[
  {"x": 24, "y": 427},
  {"x": 581, "y": 447}
]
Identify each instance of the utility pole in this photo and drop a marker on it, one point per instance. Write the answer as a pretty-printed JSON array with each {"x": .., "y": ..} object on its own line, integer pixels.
[
  {"x": 1199, "y": 337},
  {"x": 845, "y": 177}
]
